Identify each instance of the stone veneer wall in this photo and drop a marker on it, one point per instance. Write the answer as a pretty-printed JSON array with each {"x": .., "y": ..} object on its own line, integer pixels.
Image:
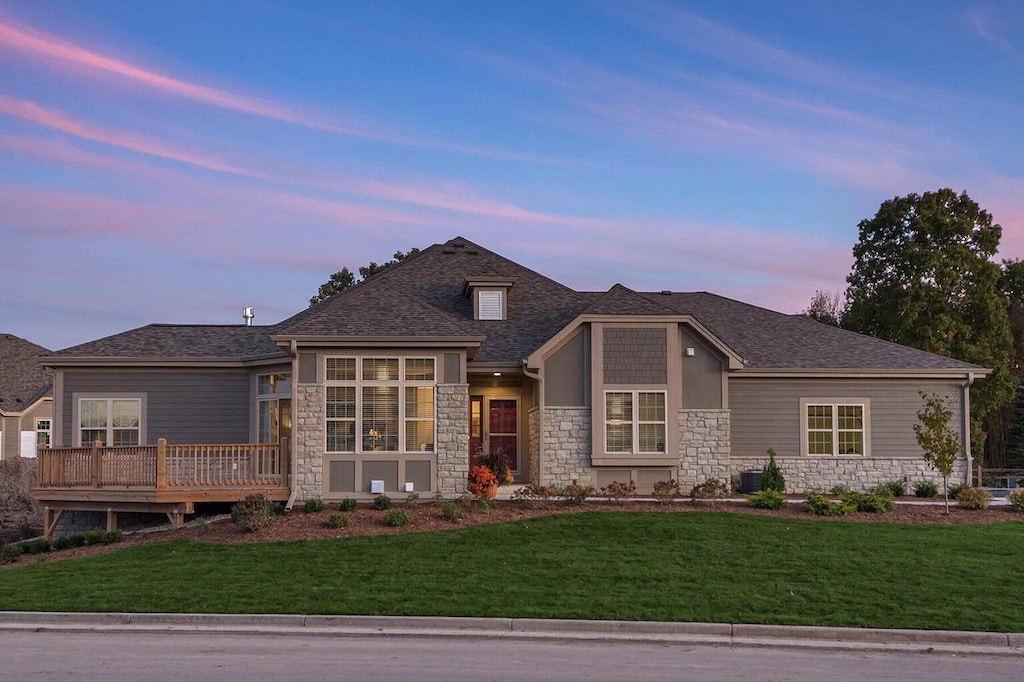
[
  {"x": 567, "y": 446},
  {"x": 452, "y": 414},
  {"x": 309, "y": 431},
  {"x": 805, "y": 474},
  {"x": 704, "y": 441},
  {"x": 533, "y": 439}
]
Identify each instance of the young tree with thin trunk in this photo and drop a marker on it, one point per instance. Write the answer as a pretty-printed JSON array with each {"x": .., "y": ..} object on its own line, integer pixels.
[{"x": 940, "y": 443}]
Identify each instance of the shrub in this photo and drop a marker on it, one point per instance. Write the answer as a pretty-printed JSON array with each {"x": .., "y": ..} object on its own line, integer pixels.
[
  {"x": 396, "y": 517},
  {"x": 313, "y": 505},
  {"x": 277, "y": 508},
  {"x": 94, "y": 536},
  {"x": 487, "y": 506},
  {"x": 839, "y": 490},
  {"x": 955, "y": 489},
  {"x": 771, "y": 475},
  {"x": 337, "y": 520},
  {"x": 897, "y": 488},
  {"x": 348, "y": 504},
  {"x": 381, "y": 502},
  {"x": 767, "y": 499},
  {"x": 882, "y": 490},
  {"x": 926, "y": 489},
  {"x": 618, "y": 491},
  {"x": 412, "y": 499},
  {"x": 574, "y": 493},
  {"x": 532, "y": 491},
  {"x": 451, "y": 511},
  {"x": 112, "y": 536},
  {"x": 819, "y": 505},
  {"x": 253, "y": 513},
  {"x": 973, "y": 498},
  {"x": 38, "y": 546},
  {"x": 663, "y": 491},
  {"x": 10, "y": 553},
  {"x": 872, "y": 503},
  {"x": 1016, "y": 500},
  {"x": 711, "y": 489},
  {"x": 62, "y": 542}
]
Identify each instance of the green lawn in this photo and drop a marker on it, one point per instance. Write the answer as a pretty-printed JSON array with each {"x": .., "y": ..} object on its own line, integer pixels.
[{"x": 605, "y": 565}]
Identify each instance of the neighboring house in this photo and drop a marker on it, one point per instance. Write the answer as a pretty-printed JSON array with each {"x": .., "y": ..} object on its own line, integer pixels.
[
  {"x": 26, "y": 397},
  {"x": 393, "y": 383}
]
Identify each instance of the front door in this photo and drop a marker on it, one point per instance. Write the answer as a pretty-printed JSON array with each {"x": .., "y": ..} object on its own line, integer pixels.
[
  {"x": 503, "y": 429},
  {"x": 494, "y": 425}
]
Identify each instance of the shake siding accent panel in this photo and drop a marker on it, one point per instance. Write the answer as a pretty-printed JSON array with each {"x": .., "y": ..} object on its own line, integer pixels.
[
  {"x": 766, "y": 412},
  {"x": 635, "y": 356},
  {"x": 183, "y": 406}
]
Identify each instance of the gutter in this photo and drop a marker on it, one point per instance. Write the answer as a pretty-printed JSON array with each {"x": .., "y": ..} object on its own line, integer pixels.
[
  {"x": 540, "y": 418},
  {"x": 968, "y": 382},
  {"x": 293, "y": 464}
]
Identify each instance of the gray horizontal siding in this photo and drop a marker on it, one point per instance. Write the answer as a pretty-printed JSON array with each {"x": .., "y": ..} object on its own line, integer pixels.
[
  {"x": 766, "y": 412},
  {"x": 183, "y": 406}
]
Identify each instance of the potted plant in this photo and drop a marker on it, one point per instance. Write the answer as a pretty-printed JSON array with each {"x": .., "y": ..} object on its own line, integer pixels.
[
  {"x": 482, "y": 482},
  {"x": 497, "y": 462}
]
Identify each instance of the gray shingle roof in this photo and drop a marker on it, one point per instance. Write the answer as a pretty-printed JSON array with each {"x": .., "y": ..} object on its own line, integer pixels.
[
  {"x": 23, "y": 379},
  {"x": 181, "y": 341},
  {"x": 424, "y": 295},
  {"x": 766, "y": 339}
]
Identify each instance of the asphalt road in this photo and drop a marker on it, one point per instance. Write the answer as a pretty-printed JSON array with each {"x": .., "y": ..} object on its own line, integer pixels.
[{"x": 113, "y": 657}]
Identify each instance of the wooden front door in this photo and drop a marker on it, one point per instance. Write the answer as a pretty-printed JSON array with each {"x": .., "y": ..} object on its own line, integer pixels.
[{"x": 494, "y": 425}]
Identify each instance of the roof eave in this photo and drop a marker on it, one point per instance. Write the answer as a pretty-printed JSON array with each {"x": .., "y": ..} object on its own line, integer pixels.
[{"x": 864, "y": 373}]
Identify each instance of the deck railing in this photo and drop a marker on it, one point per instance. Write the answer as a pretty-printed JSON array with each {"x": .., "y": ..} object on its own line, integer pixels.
[{"x": 165, "y": 467}]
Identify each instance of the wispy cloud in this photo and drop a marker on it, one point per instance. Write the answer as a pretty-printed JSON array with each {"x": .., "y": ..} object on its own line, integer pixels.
[
  {"x": 979, "y": 24},
  {"x": 75, "y": 56}
]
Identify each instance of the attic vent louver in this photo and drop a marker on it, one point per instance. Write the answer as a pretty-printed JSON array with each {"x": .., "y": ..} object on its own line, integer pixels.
[
  {"x": 448, "y": 250},
  {"x": 666, "y": 292}
]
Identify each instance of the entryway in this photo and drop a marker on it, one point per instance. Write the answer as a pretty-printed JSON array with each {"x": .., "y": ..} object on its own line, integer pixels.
[{"x": 494, "y": 425}]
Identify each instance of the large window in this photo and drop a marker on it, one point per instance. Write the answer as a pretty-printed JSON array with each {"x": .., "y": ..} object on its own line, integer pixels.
[
  {"x": 111, "y": 421},
  {"x": 273, "y": 407},
  {"x": 635, "y": 421},
  {"x": 380, "y": 404},
  {"x": 835, "y": 428}
]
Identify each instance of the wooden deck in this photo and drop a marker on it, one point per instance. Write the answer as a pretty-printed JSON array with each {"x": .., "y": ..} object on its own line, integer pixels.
[{"x": 160, "y": 478}]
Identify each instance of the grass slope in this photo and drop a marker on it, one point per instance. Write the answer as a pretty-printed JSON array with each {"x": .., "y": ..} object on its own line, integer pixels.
[{"x": 635, "y": 566}]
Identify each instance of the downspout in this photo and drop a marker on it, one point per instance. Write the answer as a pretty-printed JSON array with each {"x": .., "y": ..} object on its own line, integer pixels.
[
  {"x": 539, "y": 378},
  {"x": 292, "y": 492},
  {"x": 967, "y": 426}
]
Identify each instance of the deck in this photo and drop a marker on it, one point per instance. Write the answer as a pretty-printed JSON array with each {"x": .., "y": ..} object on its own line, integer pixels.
[{"x": 161, "y": 478}]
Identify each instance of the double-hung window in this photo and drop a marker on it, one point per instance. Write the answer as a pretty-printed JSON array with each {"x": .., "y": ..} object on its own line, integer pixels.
[
  {"x": 635, "y": 421},
  {"x": 835, "y": 427},
  {"x": 111, "y": 421},
  {"x": 380, "y": 404},
  {"x": 44, "y": 430}
]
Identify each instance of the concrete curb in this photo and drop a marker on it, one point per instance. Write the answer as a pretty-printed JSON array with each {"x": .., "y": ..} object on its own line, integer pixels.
[{"x": 713, "y": 634}]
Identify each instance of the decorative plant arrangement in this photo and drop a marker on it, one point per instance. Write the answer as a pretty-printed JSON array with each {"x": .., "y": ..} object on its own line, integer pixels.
[{"x": 482, "y": 482}]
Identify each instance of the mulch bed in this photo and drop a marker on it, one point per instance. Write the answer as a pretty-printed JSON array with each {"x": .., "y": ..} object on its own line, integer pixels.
[{"x": 298, "y": 525}]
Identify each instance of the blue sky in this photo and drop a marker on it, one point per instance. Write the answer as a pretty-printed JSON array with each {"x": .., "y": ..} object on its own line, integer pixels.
[{"x": 174, "y": 162}]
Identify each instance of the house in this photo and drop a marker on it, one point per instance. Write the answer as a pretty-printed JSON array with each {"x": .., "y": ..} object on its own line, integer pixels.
[
  {"x": 394, "y": 383},
  {"x": 26, "y": 398}
]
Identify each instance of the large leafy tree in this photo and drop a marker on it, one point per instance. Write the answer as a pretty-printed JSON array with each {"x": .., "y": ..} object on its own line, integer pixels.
[
  {"x": 923, "y": 276},
  {"x": 825, "y": 307},
  {"x": 344, "y": 278}
]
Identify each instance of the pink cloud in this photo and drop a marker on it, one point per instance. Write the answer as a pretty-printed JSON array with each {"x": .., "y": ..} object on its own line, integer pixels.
[
  {"x": 71, "y": 55},
  {"x": 39, "y": 115}
]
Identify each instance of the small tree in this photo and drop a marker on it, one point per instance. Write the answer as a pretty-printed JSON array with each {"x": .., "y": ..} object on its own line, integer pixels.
[
  {"x": 771, "y": 475},
  {"x": 939, "y": 442}
]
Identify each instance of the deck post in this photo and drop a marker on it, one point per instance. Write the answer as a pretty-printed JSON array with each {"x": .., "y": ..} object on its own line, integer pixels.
[
  {"x": 97, "y": 464},
  {"x": 161, "y": 464},
  {"x": 111, "y": 520}
]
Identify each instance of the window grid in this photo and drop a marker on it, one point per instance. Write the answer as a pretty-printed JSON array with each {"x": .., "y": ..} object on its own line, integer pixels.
[
  {"x": 836, "y": 428},
  {"x": 43, "y": 432},
  {"x": 112, "y": 421},
  {"x": 383, "y": 404},
  {"x": 635, "y": 421}
]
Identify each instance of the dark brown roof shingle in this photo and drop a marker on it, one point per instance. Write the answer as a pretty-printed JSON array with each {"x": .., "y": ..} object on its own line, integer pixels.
[{"x": 23, "y": 379}]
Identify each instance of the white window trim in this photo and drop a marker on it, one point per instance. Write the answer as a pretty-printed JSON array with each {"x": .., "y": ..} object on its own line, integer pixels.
[
  {"x": 834, "y": 403},
  {"x": 48, "y": 431},
  {"x": 636, "y": 422},
  {"x": 76, "y": 413},
  {"x": 401, "y": 383}
]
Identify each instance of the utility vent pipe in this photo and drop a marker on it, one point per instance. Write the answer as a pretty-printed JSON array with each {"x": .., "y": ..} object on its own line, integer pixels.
[{"x": 248, "y": 313}]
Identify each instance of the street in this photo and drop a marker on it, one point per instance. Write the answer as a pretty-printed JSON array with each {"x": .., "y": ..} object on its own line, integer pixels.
[{"x": 113, "y": 657}]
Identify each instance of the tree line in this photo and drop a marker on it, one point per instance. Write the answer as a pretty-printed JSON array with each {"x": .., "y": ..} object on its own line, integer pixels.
[{"x": 925, "y": 275}]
